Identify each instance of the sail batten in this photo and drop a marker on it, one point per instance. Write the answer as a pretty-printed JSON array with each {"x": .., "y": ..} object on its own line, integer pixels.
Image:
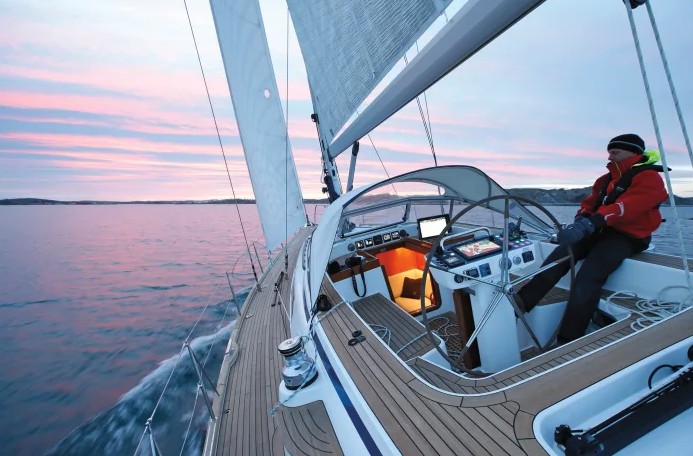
[
  {"x": 260, "y": 118},
  {"x": 478, "y": 23},
  {"x": 350, "y": 46}
]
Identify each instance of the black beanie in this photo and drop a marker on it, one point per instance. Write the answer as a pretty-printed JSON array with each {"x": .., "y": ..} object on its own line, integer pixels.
[{"x": 630, "y": 142}]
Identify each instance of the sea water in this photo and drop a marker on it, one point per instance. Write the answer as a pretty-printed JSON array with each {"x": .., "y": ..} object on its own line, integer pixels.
[{"x": 95, "y": 303}]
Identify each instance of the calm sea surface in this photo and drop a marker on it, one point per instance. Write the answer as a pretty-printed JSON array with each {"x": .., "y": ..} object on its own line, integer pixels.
[{"x": 95, "y": 302}]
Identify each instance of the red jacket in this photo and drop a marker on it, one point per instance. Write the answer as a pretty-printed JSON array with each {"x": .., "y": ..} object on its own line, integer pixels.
[{"x": 635, "y": 212}]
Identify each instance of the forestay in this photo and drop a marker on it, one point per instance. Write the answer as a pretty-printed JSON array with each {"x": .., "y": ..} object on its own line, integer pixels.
[
  {"x": 473, "y": 27},
  {"x": 259, "y": 116},
  {"x": 350, "y": 45}
]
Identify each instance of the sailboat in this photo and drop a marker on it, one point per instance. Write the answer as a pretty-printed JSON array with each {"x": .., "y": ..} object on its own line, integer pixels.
[{"x": 399, "y": 334}]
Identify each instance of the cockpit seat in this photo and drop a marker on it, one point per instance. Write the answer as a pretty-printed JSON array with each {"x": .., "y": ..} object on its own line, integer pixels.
[{"x": 409, "y": 301}]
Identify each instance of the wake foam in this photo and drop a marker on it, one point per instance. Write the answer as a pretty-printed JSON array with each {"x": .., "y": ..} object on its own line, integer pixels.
[{"x": 117, "y": 430}]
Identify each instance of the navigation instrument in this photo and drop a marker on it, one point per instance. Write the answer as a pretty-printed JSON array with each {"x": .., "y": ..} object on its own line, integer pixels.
[
  {"x": 431, "y": 227},
  {"x": 476, "y": 249}
]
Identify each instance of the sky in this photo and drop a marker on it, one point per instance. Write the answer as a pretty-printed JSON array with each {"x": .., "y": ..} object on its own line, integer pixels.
[{"x": 104, "y": 100}]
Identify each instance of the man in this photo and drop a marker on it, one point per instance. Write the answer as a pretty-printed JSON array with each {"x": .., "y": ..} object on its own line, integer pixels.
[{"x": 615, "y": 222}]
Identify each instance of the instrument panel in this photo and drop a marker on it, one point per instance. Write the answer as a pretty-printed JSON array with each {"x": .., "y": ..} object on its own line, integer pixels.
[
  {"x": 378, "y": 239},
  {"x": 481, "y": 257}
]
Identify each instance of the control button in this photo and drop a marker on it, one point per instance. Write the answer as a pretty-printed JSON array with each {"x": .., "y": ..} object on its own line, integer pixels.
[
  {"x": 459, "y": 278},
  {"x": 517, "y": 260},
  {"x": 527, "y": 257},
  {"x": 359, "y": 244},
  {"x": 351, "y": 247},
  {"x": 369, "y": 242},
  {"x": 485, "y": 270},
  {"x": 395, "y": 235},
  {"x": 472, "y": 272}
]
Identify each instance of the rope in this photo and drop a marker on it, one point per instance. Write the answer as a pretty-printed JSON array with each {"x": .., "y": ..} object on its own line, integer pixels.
[
  {"x": 216, "y": 126},
  {"x": 653, "y": 310},
  {"x": 386, "y": 332},
  {"x": 655, "y": 124}
]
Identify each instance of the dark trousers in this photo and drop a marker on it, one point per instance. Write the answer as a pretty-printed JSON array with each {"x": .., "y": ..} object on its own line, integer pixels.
[{"x": 603, "y": 252}]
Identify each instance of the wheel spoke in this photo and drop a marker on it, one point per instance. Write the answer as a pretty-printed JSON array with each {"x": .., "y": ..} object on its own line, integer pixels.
[{"x": 484, "y": 319}]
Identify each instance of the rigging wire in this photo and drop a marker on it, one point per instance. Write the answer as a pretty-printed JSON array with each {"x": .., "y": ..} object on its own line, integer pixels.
[
  {"x": 216, "y": 126},
  {"x": 655, "y": 29},
  {"x": 655, "y": 124},
  {"x": 286, "y": 155},
  {"x": 204, "y": 363},
  {"x": 429, "y": 136}
]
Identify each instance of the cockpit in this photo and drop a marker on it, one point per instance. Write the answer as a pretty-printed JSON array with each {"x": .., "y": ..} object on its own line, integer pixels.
[{"x": 444, "y": 267}]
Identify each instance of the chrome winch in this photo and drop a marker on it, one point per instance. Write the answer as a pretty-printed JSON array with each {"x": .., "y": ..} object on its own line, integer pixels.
[{"x": 299, "y": 369}]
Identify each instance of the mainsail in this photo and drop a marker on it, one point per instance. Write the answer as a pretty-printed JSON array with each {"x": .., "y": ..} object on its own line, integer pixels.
[
  {"x": 478, "y": 23},
  {"x": 259, "y": 116},
  {"x": 349, "y": 46}
]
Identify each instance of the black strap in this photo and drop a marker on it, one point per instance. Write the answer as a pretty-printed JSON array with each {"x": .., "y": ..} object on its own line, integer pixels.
[
  {"x": 622, "y": 185},
  {"x": 353, "y": 282}
]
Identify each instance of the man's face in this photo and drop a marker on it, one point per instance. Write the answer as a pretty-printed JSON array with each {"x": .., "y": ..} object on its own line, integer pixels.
[{"x": 616, "y": 155}]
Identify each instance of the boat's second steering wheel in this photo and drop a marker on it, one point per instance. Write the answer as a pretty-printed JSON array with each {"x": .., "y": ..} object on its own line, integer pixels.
[{"x": 505, "y": 286}]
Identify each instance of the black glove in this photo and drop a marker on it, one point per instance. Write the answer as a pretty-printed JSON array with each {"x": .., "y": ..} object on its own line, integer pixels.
[
  {"x": 576, "y": 232},
  {"x": 581, "y": 216}
]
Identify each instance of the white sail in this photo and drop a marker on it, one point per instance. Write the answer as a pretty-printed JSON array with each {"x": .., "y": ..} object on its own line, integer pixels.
[
  {"x": 350, "y": 45},
  {"x": 473, "y": 27},
  {"x": 259, "y": 116}
]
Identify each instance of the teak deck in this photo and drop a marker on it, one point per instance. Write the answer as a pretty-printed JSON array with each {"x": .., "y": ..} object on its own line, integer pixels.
[
  {"x": 490, "y": 416},
  {"x": 424, "y": 408},
  {"x": 251, "y": 383}
]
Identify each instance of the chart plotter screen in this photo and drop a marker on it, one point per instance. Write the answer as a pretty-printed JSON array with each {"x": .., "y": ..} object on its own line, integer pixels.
[
  {"x": 476, "y": 249},
  {"x": 431, "y": 227}
]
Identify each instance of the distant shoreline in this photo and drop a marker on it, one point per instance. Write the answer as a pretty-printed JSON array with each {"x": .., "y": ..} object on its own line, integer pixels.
[
  {"x": 546, "y": 197},
  {"x": 46, "y": 202}
]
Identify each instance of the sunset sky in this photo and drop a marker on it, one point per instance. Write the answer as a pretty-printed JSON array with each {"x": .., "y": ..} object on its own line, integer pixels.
[{"x": 103, "y": 100}]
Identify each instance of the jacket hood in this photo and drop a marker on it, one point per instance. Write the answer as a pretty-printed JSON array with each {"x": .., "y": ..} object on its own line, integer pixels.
[{"x": 652, "y": 156}]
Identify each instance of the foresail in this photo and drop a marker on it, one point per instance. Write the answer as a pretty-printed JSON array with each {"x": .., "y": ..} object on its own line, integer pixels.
[
  {"x": 259, "y": 116},
  {"x": 478, "y": 23},
  {"x": 350, "y": 45}
]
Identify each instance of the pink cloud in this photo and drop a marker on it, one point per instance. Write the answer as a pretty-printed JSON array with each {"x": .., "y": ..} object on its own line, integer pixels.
[{"x": 109, "y": 142}]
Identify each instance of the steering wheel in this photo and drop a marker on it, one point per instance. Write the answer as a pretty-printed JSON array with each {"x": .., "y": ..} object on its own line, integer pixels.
[{"x": 505, "y": 286}]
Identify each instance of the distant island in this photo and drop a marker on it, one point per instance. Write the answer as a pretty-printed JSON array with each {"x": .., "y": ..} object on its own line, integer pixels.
[{"x": 551, "y": 197}]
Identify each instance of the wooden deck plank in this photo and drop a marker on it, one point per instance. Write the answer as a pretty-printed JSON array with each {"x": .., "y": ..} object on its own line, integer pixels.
[
  {"x": 365, "y": 384},
  {"x": 483, "y": 424},
  {"x": 405, "y": 330},
  {"x": 385, "y": 373},
  {"x": 253, "y": 379},
  {"x": 553, "y": 386},
  {"x": 400, "y": 432}
]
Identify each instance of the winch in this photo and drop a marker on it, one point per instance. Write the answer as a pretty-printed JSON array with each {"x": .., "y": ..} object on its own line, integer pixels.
[{"x": 299, "y": 369}]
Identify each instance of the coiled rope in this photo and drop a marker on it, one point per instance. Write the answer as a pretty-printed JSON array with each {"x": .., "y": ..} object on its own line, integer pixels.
[{"x": 653, "y": 310}]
